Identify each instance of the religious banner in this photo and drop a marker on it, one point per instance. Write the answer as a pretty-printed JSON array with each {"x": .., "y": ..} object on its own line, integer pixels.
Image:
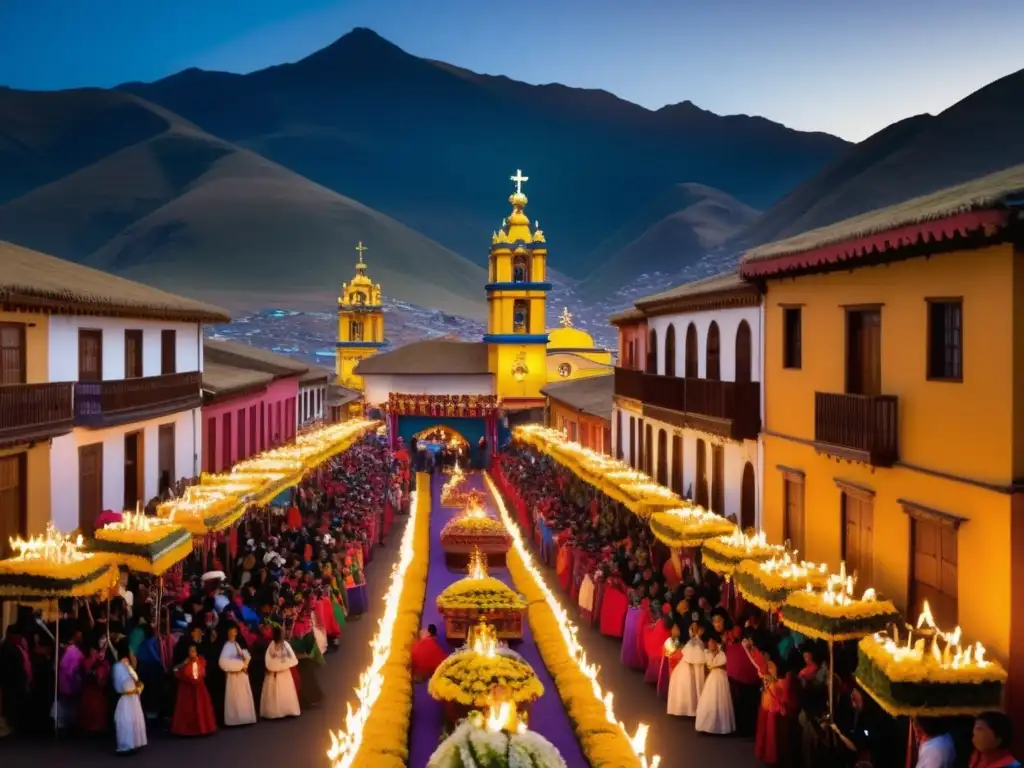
[{"x": 461, "y": 406}]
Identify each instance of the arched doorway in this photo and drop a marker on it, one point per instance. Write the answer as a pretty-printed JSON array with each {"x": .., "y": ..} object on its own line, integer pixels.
[
  {"x": 713, "y": 354},
  {"x": 700, "y": 494},
  {"x": 691, "y": 362},
  {"x": 677, "y": 464},
  {"x": 649, "y": 450},
  {"x": 618, "y": 435},
  {"x": 662, "y": 476},
  {"x": 670, "y": 350},
  {"x": 652, "y": 351},
  {"x": 748, "y": 498},
  {"x": 744, "y": 364},
  {"x": 632, "y": 442},
  {"x": 442, "y": 433}
]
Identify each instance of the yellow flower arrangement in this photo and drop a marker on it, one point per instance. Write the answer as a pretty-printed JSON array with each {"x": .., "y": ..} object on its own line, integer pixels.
[
  {"x": 834, "y": 612},
  {"x": 376, "y": 733},
  {"x": 724, "y": 553},
  {"x": 688, "y": 526},
  {"x": 486, "y": 594},
  {"x": 473, "y": 526},
  {"x": 767, "y": 584},
  {"x": 603, "y": 738},
  {"x": 54, "y": 565},
  {"x": 468, "y": 677},
  {"x": 144, "y": 544}
]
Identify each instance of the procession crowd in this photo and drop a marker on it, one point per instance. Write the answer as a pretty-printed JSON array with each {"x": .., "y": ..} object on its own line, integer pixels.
[
  {"x": 234, "y": 634},
  {"x": 710, "y": 655}
]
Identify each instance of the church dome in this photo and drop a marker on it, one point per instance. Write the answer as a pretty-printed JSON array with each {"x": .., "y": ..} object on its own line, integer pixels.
[{"x": 569, "y": 338}]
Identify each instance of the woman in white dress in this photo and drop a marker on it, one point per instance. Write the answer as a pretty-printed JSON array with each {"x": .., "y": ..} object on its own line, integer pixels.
[
  {"x": 239, "y": 708},
  {"x": 687, "y": 680},
  {"x": 279, "y": 698},
  {"x": 714, "y": 710},
  {"x": 129, "y": 722}
]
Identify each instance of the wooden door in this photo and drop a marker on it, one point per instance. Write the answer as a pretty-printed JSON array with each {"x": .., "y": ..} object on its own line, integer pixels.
[
  {"x": 632, "y": 442},
  {"x": 226, "y": 457},
  {"x": 253, "y": 445},
  {"x": 718, "y": 479},
  {"x": 133, "y": 354},
  {"x": 13, "y": 501},
  {"x": 165, "y": 458},
  {"x": 670, "y": 350},
  {"x": 606, "y": 441},
  {"x": 748, "y": 498},
  {"x": 858, "y": 538},
  {"x": 90, "y": 486},
  {"x": 649, "y": 450},
  {"x": 618, "y": 435},
  {"x": 864, "y": 352},
  {"x": 211, "y": 444},
  {"x": 691, "y": 363},
  {"x": 240, "y": 426},
  {"x": 263, "y": 427},
  {"x": 713, "y": 354},
  {"x": 652, "y": 351},
  {"x": 12, "y": 356},
  {"x": 677, "y": 464},
  {"x": 168, "y": 352},
  {"x": 662, "y": 475},
  {"x": 640, "y": 445},
  {"x": 134, "y": 470},
  {"x": 934, "y": 571},
  {"x": 793, "y": 490},
  {"x": 744, "y": 354},
  {"x": 700, "y": 496},
  {"x": 90, "y": 355}
]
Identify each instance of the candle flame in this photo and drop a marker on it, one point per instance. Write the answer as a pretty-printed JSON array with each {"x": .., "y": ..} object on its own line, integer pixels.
[
  {"x": 53, "y": 547},
  {"x": 943, "y": 649}
]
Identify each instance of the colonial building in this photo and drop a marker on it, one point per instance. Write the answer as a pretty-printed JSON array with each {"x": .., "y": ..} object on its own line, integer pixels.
[
  {"x": 360, "y": 324},
  {"x": 250, "y": 401},
  {"x": 99, "y": 392},
  {"x": 688, "y": 392},
  {"x": 312, "y": 405},
  {"x": 894, "y": 417},
  {"x": 582, "y": 408}
]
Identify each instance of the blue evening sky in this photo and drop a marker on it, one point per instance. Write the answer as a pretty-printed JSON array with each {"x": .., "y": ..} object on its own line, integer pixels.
[{"x": 849, "y": 67}]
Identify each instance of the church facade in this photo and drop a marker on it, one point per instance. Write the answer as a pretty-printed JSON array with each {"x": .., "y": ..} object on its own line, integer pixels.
[
  {"x": 360, "y": 325},
  {"x": 440, "y": 380}
]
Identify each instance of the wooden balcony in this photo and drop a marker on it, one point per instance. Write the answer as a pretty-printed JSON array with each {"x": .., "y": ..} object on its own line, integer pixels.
[
  {"x": 30, "y": 412},
  {"x": 111, "y": 403},
  {"x": 857, "y": 427},
  {"x": 629, "y": 383},
  {"x": 665, "y": 392},
  {"x": 731, "y": 409}
]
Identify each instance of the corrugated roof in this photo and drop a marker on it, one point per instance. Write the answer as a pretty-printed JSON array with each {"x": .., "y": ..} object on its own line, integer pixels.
[
  {"x": 431, "y": 357},
  {"x": 985, "y": 193},
  {"x": 220, "y": 379},
  {"x": 725, "y": 281},
  {"x": 241, "y": 355},
  {"x": 34, "y": 280},
  {"x": 592, "y": 394}
]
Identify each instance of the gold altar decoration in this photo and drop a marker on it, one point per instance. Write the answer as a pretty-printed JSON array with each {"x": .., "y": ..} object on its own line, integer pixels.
[
  {"x": 474, "y": 534},
  {"x": 480, "y": 597},
  {"x": 464, "y": 406}
]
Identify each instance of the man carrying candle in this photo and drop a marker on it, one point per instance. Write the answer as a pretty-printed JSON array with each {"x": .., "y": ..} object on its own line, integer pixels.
[{"x": 193, "y": 708}]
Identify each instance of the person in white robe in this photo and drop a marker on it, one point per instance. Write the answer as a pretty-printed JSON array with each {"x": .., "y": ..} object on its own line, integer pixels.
[
  {"x": 239, "y": 708},
  {"x": 318, "y": 632},
  {"x": 687, "y": 679},
  {"x": 279, "y": 698},
  {"x": 714, "y": 710},
  {"x": 129, "y": 721}
]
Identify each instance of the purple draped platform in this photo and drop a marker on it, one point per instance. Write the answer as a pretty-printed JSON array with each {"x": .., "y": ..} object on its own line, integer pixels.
[{"x": 547, "y": 717}]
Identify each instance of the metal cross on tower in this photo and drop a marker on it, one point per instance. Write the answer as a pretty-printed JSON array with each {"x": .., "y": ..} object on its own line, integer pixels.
[
  {"x": 362, "y": 249},
  {"x": 519, "y": 179}
]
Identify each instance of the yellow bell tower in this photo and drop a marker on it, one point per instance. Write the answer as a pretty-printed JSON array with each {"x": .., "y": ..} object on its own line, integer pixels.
[
  {"x": 360, "y": 324},
  {"x": 516, "y": 296}
]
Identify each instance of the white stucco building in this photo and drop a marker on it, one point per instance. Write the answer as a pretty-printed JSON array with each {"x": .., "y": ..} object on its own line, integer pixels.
[
  {"x": 311, "y": 408},
  {"x": 100, "y": 392},
  {"x": 689, "y": 410}
]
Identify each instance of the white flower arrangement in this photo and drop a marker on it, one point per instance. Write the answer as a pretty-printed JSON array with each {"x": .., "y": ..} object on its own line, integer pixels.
[{"x": 471, "y": 745}]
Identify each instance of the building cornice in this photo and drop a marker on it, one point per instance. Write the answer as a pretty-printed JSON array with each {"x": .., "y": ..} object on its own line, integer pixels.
[{"x": 733, "y": 298}]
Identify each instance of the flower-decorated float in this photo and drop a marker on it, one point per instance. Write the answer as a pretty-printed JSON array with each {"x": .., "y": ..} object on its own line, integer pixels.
[
  {"x": 474, "y": 530},
  {"x": 481, "y": 597},
  {"x": 52, "y": 566},
  {"x": 834, "y": 613},
  {"x": 724, "y": 553},
  {"x": 141, "y": 543},
  {"x": 467, "y": 679},
  {"x": 928, "y": 672},
  {"x": 688, "y": 526},
  {"x": 768, "y": 583},
  {"x": 498, "y": 739}
]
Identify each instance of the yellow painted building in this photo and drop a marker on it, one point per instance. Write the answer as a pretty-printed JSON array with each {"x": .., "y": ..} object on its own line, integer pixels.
[
  {"x": 31, "y": 412},
  {"x": 360, "y": 324},
  {"x": 572, "y": 353},
  {"x": 894, "y": 404}
]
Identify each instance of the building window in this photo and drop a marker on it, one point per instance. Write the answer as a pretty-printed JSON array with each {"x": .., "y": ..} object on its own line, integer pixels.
[
  {"x": 662, "y": 475},
  {"x": 133, "y": 354},
  {"x": 677, "y": 464},
  {"x": 864, "y": 352},
  {"x": 168, "y": 352},
  {"x": 520, "y": 316},
  {"x": 356, "y": 330},
  {"x": 744, "y": 354},
  {"x": 652, "y": 351},
  {"x": 618, "y": 435},
  {"x": 718, "y": 479},
  {"x": 165, "y": 458},
  {"x": 792, "y": 337},
  {"x": 570, "y": 430},
  {"x": 793, "y": 522},
  {"x": 690, "y": 362},
  {"x": 858, "y": 510},
  {"x": 90, "y": 355},
  {"x": 946, "y": 340},
  {"x": 12, "y": 354},
  {"x": 632, "y": 442},
  {"x": 701, "y": 492},
  {"x": 520, "y": 269},
  {"x": 713, "y": 354},
  {"x": 670, "y": 350},
  {"x": 933, "y": 563},
  {"x": 13, "y": 506},
  {"x": 649, "y": 450}
]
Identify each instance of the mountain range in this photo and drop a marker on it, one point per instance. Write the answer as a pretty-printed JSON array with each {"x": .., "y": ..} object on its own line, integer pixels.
[{"x": 256, "y": 187}]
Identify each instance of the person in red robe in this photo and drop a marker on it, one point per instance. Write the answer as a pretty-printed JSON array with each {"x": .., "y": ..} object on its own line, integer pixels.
[
  {"x": 654, "y": 643},
  {"x": 193, "y": 707},
  {"x": 427, "y": 654},
  {"x": 94, "y": 706}
]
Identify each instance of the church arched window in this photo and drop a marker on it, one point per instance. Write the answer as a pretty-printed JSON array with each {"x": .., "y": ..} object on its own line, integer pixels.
[
  {"x": 521, "y": 316},
  {"x": 359, "y": 297},
  {"x": 356, "y": 331},
  {"x": 520, "y": 269}
]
